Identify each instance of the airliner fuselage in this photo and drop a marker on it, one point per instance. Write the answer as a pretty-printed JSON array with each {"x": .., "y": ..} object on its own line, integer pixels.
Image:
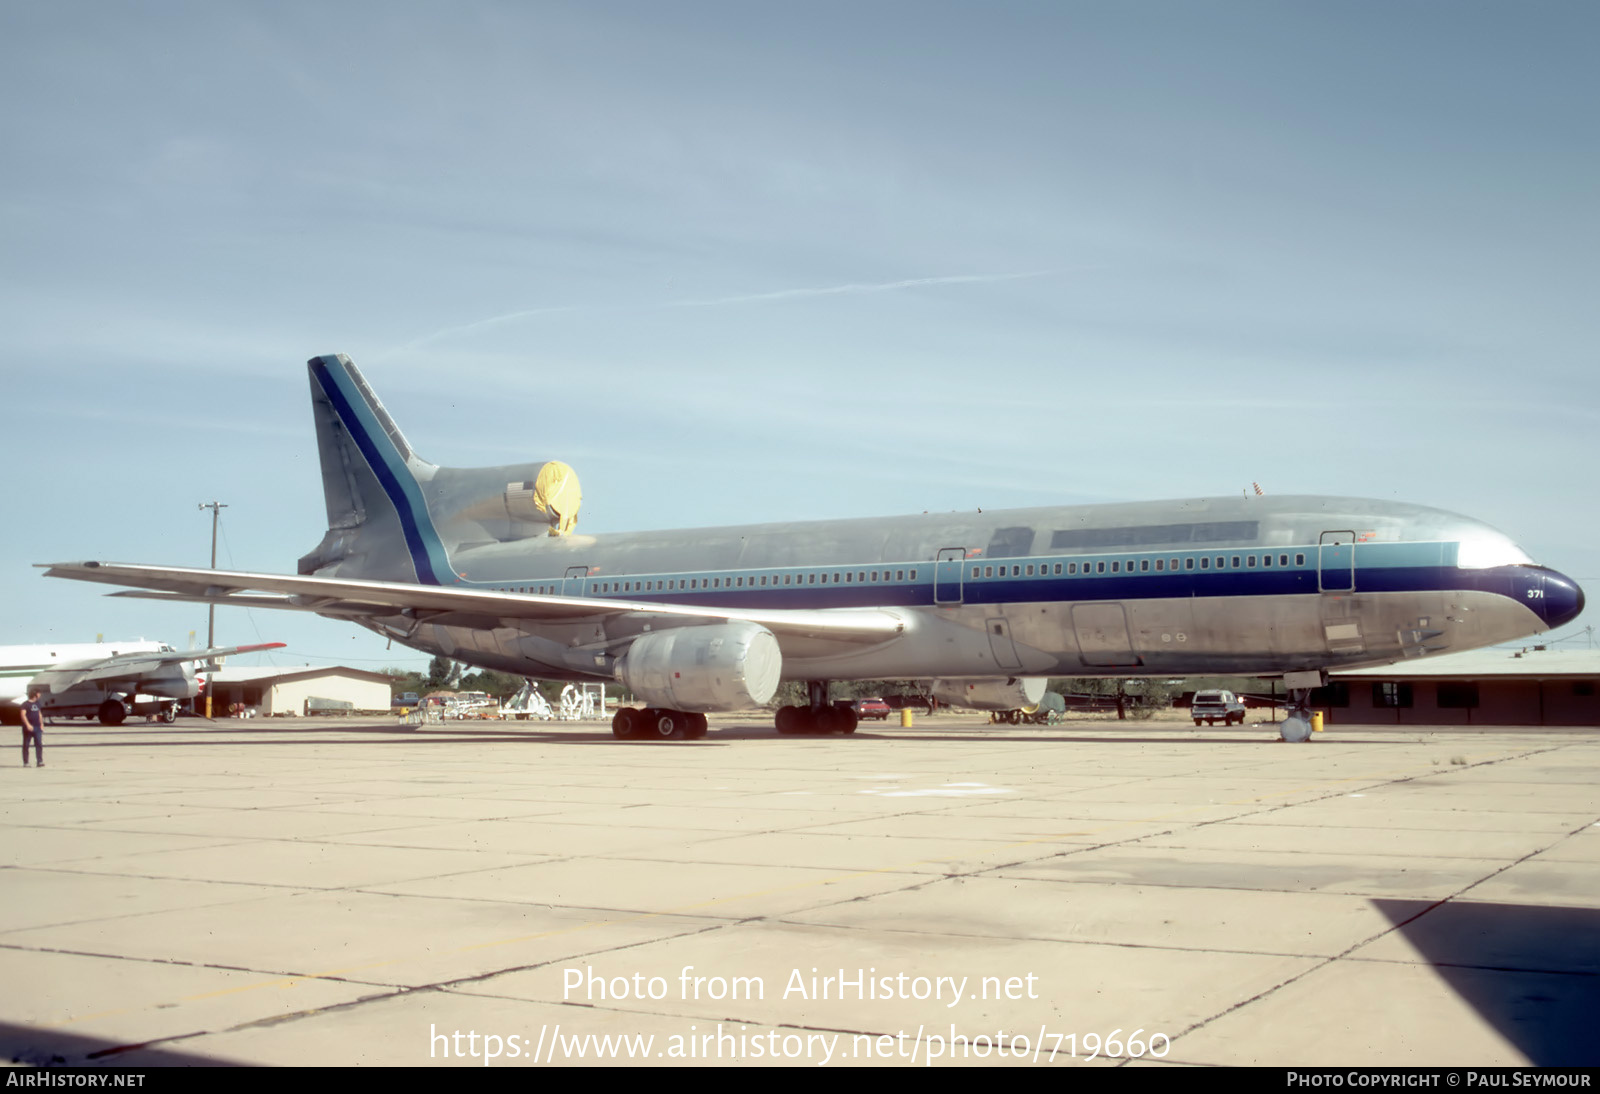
[{"x": 1219, "y": 585}]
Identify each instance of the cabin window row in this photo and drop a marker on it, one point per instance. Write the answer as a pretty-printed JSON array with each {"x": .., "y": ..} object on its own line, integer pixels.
[
  {"x": 1141, "y": 565},
  {"x": 692, "y": 584}
]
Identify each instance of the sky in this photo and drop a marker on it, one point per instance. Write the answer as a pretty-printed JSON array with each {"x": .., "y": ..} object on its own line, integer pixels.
[{"x": 743, "y": 261}]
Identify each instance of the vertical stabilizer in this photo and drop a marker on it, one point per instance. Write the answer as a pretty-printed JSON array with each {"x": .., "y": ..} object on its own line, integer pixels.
[{"x": 373, "y": 483}]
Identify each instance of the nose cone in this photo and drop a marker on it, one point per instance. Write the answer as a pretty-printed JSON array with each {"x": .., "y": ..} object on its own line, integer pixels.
[{"x": 1562, "y": 601}]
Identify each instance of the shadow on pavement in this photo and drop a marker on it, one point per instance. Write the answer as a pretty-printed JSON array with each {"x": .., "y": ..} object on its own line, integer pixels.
[{"x": 1532, "y": 972}]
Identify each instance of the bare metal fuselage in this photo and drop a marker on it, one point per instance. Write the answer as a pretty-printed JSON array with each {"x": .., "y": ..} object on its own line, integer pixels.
[{"x": 1225, "y": 585}]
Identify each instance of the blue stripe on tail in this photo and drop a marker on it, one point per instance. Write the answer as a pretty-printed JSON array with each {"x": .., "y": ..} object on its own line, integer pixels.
[{"x": 428, "y": 555}]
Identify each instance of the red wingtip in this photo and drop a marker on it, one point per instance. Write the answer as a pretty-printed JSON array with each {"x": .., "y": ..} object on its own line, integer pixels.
[{"x": 263, "y": 646}]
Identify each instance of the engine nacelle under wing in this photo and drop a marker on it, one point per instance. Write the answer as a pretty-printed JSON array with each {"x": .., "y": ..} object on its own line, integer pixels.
[
  {"x": 731, "y": 666},
  {"x": 994, "y": 693}
]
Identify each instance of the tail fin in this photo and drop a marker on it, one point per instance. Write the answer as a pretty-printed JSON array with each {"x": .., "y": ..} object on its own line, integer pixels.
[
  {"x": 378, "y": 520},
  {"x": 393, "y": 515}
]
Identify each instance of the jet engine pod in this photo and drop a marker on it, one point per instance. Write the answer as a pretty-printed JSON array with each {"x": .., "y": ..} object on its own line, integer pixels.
[
  {"x": 993, "y": 693},
  {"x": 730, "y": 666}
]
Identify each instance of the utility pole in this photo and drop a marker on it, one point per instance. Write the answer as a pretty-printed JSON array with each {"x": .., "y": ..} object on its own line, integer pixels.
[{"x": 216, "y": 508}]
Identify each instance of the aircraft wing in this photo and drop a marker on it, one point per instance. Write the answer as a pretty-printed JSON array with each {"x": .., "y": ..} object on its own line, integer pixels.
[
  {"x": 131, "y": 666},
  {"x": 448, "y": 604}
]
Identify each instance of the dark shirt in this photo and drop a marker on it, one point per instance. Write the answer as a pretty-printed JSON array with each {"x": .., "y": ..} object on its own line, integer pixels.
[{"x": 32, "y": 716}]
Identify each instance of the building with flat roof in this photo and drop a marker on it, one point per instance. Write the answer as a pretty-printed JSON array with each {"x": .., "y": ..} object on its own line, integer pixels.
[
  {"x": 1533, "y": 686},
  {"x": 269, "y": 690}
]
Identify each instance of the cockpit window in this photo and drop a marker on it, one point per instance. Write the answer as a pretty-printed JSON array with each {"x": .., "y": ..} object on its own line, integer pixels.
[{"x": 1486, "y": 551}]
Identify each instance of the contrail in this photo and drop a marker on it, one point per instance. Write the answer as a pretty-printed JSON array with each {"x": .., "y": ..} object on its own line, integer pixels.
[
  {"x": 855, "y": 287},
  {"x": 467, "y": 328}
]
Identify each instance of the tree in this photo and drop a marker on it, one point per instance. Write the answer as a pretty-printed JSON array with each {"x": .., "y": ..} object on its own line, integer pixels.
[
  {"x": 501, "y": 685},
  {"x": 439, "y": 670},
  {"x": 404, "y": 680}
]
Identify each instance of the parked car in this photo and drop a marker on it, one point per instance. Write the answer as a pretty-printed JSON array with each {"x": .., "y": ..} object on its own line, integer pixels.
[
  {"x": 871, "y": 708},
  {"x": 405, "y": 699},
  {"x": 1212, "y": 707}
]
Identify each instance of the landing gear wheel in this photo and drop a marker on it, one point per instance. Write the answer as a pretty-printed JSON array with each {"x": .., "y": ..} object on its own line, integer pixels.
[
  {"x": 169, "y": 714},
  {"x": 790, "y": 720},
  {"x": 112, "y": 713},
  {"x": 666, "y": 725},
  {"x": 1296, "y": 729},
  {"x": 1296, "y": 726},
  {"x": 625, "y": 724},
  {"x": 697, "y": 726},
  {"x": 849, "y": 722}
]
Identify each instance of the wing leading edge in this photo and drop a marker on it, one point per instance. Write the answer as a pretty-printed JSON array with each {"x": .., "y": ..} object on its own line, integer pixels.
[{"x": 357, "y": 599}]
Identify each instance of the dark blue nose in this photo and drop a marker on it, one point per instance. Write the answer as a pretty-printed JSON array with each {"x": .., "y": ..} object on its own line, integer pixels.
[{"x": 1559, "y": 600}]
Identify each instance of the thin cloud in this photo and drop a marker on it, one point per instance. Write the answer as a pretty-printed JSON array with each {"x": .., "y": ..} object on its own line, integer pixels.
[
  {"x": 470, "y": 328},
  {"x": 857, "y": 288},
  {"x": 850, "y": 289}
]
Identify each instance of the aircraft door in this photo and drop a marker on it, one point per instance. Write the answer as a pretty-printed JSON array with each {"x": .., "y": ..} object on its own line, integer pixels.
[
  {"x": 576, "y": 579},
  {"x": 947, "y": 575},
  {"x": 1002, "y": 645},
  {"x": 1336, "y": 562},
  {"x": 1102, "y": 632}
]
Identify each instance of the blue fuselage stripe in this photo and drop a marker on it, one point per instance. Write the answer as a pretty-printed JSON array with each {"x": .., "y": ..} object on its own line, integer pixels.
[{"x": 1511, "y": 582}]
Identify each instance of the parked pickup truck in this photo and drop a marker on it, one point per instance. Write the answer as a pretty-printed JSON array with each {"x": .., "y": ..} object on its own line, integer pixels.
[{"x": 1212, "y": 707}]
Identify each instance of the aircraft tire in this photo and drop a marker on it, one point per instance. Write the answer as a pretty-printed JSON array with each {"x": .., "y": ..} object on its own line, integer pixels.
[
  {"x": 789, "y": 720},
  {"x": 169, "y": 713},
  {"x": 665, "y": 725},
  {"x": 1296, "y": 729},
  {"x": 848, "y": 721},
  {"x": 625, "y": 724},
  {"x": 697, "y": 726},
  {"x": 112, "y": 713}
]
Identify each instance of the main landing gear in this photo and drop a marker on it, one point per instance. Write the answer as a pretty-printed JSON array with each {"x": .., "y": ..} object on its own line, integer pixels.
[
  {"x": 654, "y": 724},
  {"x": 819, "y": 716}
]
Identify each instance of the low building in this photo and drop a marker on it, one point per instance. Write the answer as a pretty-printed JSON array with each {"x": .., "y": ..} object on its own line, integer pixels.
[
  {"x": 268, "y": 690},
  {"x": 1494, "y": 687}
]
